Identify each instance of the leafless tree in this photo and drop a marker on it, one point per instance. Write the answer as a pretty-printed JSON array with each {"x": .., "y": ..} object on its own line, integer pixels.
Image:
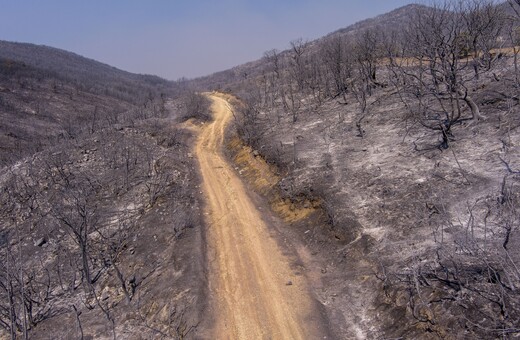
[
  {"x": 274, "y": 62},
  {"x": 514, "y": 37},
  {"x": 316, "y": 82},
  {"x": 196, "y": 106},
  {"x": 248, "y": 127},
  {"x": 368, "y": 54},
  {"x": 157, "y": 184},
  {"x": 78, "y": 215},
  {"x": 338, "y": 63},
  {"x": 515, "y": 5},
  {"x": 25, "y": 290},
  {"x": 439, "y": 65},
  {"x": 273, "y": 78},
  {"x": 483, "y": 23},
  {"x": 361, "y": 91},
  {"x": 298, "y": 62}
]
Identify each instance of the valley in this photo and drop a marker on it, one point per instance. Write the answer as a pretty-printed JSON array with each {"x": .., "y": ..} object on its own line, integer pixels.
[{"x": 363, "y": 185}]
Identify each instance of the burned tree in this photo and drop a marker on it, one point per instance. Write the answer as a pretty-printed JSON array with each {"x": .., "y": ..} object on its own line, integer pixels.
[
  {"x": 77, "y": 213},
  {"x": 273, "y": 78},
  {"x": 514, "y": 37},
  {"x": 368, "y": 54},
  {"x": 338, "y": 65},
  {"x": 298, "y": 64},
  {"x": 196, "y": 106},
  {"x": 447, "y": 51}
]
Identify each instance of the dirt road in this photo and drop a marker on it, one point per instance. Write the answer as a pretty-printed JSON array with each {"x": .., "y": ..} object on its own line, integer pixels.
[{"x": 255, "y": 293}]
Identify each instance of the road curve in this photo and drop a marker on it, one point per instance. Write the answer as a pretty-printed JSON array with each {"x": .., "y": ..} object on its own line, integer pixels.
[{"x": 255, "y": 293}]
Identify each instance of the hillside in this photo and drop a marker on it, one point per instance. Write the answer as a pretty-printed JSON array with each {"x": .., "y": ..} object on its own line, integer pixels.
[
  {"x": 95, "y": 170},
  {"x": 234, "y": 78},
  {"x": 47, "y": 95},
  {"x": 392, "y": 20},
  {"x": 75, "y": 68},
  {"x": 413, "y": 180}
]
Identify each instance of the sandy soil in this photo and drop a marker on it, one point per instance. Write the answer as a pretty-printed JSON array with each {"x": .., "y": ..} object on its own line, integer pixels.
[{"x": 255, "y": 292}]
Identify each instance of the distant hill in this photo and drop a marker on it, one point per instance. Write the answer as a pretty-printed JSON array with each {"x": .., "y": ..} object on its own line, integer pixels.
[
  {"x": 47, "y": 94},
  {"x": 232, "y": 78},
  {"x": 89, "y": 74},
  {"x": 392, "y": 21},
  {"x": 389, "y": 21}
]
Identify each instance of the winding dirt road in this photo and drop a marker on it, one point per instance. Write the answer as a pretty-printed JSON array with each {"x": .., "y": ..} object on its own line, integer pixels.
[{"x": 255, "y": 293}]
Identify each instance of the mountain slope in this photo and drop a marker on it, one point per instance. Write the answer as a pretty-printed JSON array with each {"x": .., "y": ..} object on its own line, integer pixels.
[
  {"x": 409, "y": 149},
  {"x": 47, "y": 94},
  {"x": 234, "y": 78},
  {"x": 74, "y": 67},
  {"x": 100, "y": 223},
  {"x": 392, "y": 20}
]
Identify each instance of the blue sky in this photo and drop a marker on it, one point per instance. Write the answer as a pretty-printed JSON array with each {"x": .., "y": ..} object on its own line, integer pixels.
[{"x": 176, "y": 38}]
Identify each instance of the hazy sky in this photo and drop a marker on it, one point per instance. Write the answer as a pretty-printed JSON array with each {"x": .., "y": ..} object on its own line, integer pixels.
[{"x": 176, "y": 38}]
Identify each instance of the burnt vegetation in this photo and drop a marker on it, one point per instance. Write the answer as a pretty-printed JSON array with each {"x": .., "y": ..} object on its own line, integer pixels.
[
  {"x": 49, "y": 95},
  {"x": 405, "y": 129},
  {"x": 402, "y": 131},
  {"x": 78, "y": 222},
  {"x": 99, "y": 212}
]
